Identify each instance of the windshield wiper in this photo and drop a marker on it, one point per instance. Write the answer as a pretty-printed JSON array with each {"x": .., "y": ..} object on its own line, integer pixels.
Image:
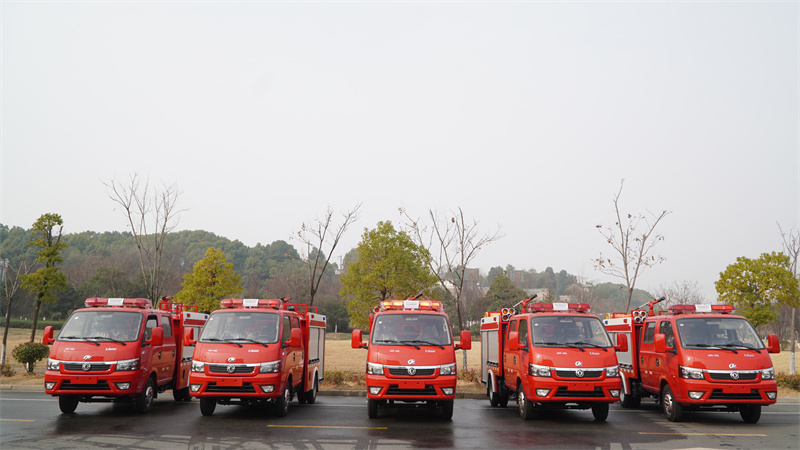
[
  {"x": 410, "y": 343},
  {"x": 572, "y": 345},
  {"x": 253, "y": 341},
  {"x": 740, "y": 346},
  {"x": 97, "y": 338},
  {"x": 227, "y": 341},
  {"x": 590, "y": 344},
  {"x": 428, "y": 343}
]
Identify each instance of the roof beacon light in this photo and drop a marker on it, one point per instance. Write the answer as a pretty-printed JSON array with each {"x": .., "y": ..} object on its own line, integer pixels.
[
  {"x": 701, "y": 309},
  {"x": 96, "y": 302},
  {"x": 558, "y": 307},
  {"x": 252, "y": 303},
  {"x": 411, "y": 304}
]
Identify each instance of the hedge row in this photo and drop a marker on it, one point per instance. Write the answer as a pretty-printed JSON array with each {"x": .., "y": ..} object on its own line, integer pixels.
[{"x": 27, "y": 323}]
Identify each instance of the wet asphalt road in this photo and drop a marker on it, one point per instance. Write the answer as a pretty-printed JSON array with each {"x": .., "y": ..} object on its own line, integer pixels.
[{"x": 33, "y": 420}]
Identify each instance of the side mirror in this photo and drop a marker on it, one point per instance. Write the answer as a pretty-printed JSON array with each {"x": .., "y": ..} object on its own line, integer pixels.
[
  {"x": 661, "y": 344},
  {"x": 622, "y": 343},
  {"x": 157, "y": 338},
  {"x": 513, "y": 341},
  {"x": 47, "y": 339},
  {"x": 296, "y": 338},
  {"x": 357, "y": 340},
  {"x": 188, "y": 337},
  {"x": 466, "y": 340},
  {"x": 773, "y": 344}
]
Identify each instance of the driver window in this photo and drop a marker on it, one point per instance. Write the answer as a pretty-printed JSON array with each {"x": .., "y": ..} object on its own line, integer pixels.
[
  {"x": 287, "y": 329},
  {"x": 166, "y": 324},
  {"x": 523, "y": 334},
  {"x": 152, "y": 322},
  {"x": 669, "y": 335},
  {"x": 649, "y": 333}
]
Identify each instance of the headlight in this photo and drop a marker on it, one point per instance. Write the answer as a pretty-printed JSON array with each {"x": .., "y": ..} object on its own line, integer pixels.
[
  {"x": 535, "y": 370},
  {"x": 53, "y": 364},
  {"x": 688, "y": 372},
  {"x": 198, "y": 366},
  {"x": 270, "y": 367},
  {"x": 128, "y": 364},
  {"x": 374, "y": 369},
  {"x": 448, "y": 369},
  {"x": 612, "y": 372},
  {"x": 768, "y": 374}
]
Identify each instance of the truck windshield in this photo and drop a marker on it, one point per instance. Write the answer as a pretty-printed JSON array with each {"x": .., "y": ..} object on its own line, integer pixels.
[
  {"x": 258, "y": 327},
  {"x": 120, "y": 326},
  {"x": 569, "y": 331},
  {"x": 723, "y": 332},
  {"x": 411, "y": 329}
]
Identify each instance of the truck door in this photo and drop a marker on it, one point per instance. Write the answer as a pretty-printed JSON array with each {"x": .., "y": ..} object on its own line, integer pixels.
[
  {"x": 287, "y": 353},
  {"x": 166, "y": 354},
  {"x": 299, "y": 360},
  {"x": 647, "y": 357},
  {"x": 666, "y": 361},
  {"x": 510, "y": 359}
]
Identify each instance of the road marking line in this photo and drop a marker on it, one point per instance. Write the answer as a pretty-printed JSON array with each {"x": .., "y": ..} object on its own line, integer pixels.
[
  {"x": 327, "y": 426},
  {"x": 17, "y": 420},
  {"x": 705, "y": 434}
]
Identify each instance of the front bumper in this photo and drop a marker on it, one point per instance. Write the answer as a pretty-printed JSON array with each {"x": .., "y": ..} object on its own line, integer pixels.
[
  {"x": 261, "y": 385},
  {"x": 545, "y": 389},
  {"x": 687, "y": 392},
  {"x": 111, "y": 384},
  {"x": 380, "y": 387}
]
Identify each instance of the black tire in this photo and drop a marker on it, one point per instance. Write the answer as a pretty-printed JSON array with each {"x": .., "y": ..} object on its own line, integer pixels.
[
  {"x": 282, "y": 402},
  {"x": 503, "y": 400},
  {"x": 524, "y": 405},
  {"x": 629, "y": 400},
  {"x": 447, "y": 410},
  {"x": 750, "y": 413},
  {"x": 143, "y": 402},
  {"x": 600, "y": 411},
  {"x": 207, "y": 406},
  {"x": 372, "y": 408},
  {"x": 673, "y": 411},
  {"x": 182, "y": 395},
  {"x": 494, "y": 397},
  {"x": 311, "y": 396},
  {"x": 68, "y": 403}
]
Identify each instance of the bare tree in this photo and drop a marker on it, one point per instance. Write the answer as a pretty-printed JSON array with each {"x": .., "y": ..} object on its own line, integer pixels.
[
  {"x": 681, "y": 293},
  {"x": 791, "y": 247},
  {"x": 12, "y": 279},
  {"x": 315, "y": 236},
  {"x": 151, "y": 215},
  {"x": 632, "y": 241},
  {"x": 453, "y": 244}
]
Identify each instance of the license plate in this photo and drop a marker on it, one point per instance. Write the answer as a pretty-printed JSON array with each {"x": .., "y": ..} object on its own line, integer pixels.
[
  {"x": 83, "y": 380},
  {"x": 230, "y": 382},
  {"x": 736, "y": 389},
  {"x": 411, "y": 385},
  {"x": 579, "y": 387}
]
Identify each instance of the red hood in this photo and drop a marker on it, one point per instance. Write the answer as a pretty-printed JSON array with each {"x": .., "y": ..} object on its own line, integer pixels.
[
  {"x": 78, "y": 351},
  {"x": 715, "y": 359},
  {"x": 401, "y": 355},
  {"x": 246, "y": 354},
  {"x": 564, "y": 357}
]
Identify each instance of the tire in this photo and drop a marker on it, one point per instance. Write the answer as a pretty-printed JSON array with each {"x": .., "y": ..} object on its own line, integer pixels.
[
  {"x": 182, "y": 395},
  {"x": 447, "y": 410},
  {"x": 143, "y": 402},
  {"x": 207, "y": 405},
  {"x": 68, "y": 403},
  {"x": 750, "y": 413},
  {"x": 600, "y": 411},
  {"x": 524, "y": 405},
  {"x": 494, "y": 397},
  {"x": 282, "y": 402},
  {"x": 372, "y": 408},
  {"x": 311, "y": 396},
  {"x": 673, "y": 411},
  {"x": 503, "y": 400},
  {"x": 629, "y": 400}
]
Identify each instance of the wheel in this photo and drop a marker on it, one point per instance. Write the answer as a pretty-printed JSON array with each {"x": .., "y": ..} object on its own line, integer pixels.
[
  {"x": 68, "y": 403},
  {"x": 503, "y": 400},
  {"x": 182, "y": 395},
  {"x": 447, "y": 410},
  {"x": 629, "y": 400},
  {"x": 600, "y": 411},
  {"x": 525, "y": 406},
  {"x": 311, "y": 396},
  {"x": 372, "y": 408},
  {"x": 207, "y": 405},
  {"x": 282, "y": 402},
  {"x": 494, "y": 397},
  {"x": 672, "y": 409},
  {"x": 143, "y": 402},
  {"x": 750, "y": 413}
]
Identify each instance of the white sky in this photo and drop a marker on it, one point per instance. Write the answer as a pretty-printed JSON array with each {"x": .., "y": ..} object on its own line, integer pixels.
[{"x": 525, "y": 114}]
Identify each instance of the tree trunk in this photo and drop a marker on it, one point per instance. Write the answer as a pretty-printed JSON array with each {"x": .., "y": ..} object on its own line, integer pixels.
[
  {"x": 36, "y": 316},
  {"x": 794, "y": 342}
]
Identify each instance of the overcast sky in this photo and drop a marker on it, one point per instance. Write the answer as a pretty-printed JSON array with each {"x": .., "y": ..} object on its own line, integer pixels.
[{"x": 526, "y": 115}]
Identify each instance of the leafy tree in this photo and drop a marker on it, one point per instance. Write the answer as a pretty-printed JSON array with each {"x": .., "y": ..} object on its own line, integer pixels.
[
  {"x": 756, "y": 287},
  {"x": 45, "y": 282},
  {"x": 336, "y": 313},
  {"x": 503, "y": 294},
  {"x": 212, "y": 279},
  {"x": 389, "y": 265},
  {"x": 29, "y": 353}
]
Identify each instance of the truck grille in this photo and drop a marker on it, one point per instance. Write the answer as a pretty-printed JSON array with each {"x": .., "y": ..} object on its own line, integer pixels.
[
  {"x": 93, "y": 367},
  {"x": 403, "y": 372},
  {"x": 726, "y": 376},
  {"x": 572, "y": 373},
  {"x": 717, "y": 394},
  {"x": 395, "y": 390},
  {"x": 102, "y": 385},
  {"x": 223, "y": 368},
  {"x": 564, "y": 392},
  {"x": 245, "y": 388}
]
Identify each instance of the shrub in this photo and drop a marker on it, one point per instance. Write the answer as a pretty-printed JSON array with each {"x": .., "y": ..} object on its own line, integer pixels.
[
  {"x": 29, "y": 353},
  {"x": 469, "y": 375},
  {"x": 6, "y": 370},
  {"x": 342, "y": 377},
  {"x": 789, "y": 381}
]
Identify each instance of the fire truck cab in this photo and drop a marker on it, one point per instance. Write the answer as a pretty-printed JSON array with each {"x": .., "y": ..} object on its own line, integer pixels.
[
  {"x": 550, "y": 356},
  {"x": 121, "y": 349},
  {"x": 258, "y": 351},
  {"x": 695, "y": 358},
  {"x": 411, "y": 357}
]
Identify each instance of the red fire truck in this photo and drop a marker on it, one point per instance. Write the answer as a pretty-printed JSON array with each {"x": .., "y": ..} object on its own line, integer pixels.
[
  {"x": 258, "y": 351},
  {"x": 121, "y": 349},
  {"x": 695, "y": 358},
  {"x": 411, "y": 358},
  {"x": 549, "y": 356}
]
